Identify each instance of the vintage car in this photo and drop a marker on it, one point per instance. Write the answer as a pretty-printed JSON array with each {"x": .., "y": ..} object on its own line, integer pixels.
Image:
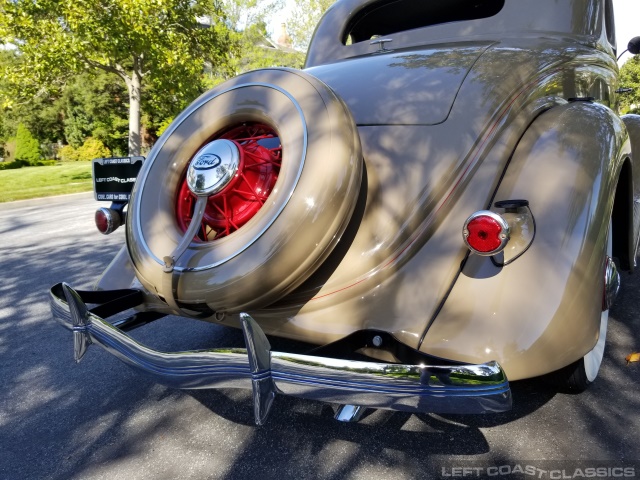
[{"x": 434, "y": 202}]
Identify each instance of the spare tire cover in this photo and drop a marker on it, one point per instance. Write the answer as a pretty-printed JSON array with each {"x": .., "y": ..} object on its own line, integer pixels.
[{"x": 301, "y": 220}]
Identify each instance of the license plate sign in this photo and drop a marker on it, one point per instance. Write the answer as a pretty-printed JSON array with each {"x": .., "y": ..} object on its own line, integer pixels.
[{"x": 113, "y": 178}]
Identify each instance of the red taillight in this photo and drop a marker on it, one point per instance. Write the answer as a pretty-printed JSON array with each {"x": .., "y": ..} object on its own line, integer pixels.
[
  {"x": 107, "y": 220},
  {"x": 486, "y": 233}
]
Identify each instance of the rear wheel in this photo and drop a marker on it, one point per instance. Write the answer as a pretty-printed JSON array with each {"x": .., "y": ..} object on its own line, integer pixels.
[{"x": 577, "y": 376}]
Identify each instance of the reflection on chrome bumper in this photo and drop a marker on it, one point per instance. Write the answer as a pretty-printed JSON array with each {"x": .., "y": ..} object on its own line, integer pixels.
[{"x": 413, "y": 388}]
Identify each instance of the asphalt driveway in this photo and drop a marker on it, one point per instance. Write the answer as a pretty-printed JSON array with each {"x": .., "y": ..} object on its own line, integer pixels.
[{"x": 99, "y": 419}]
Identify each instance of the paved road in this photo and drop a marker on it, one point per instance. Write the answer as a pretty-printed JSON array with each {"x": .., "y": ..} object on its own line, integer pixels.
[{"x": 100, "y": 420}]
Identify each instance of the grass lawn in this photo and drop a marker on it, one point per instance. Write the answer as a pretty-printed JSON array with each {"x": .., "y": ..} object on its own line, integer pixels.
[{"x": 34, "y": 182}]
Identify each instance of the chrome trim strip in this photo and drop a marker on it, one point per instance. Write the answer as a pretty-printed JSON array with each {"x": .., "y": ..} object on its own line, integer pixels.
[
  {"x": 187, "y": 238},
  {"x": 412, "y": 388},
  {"x": 154, "y": 151},
  {"x": 80, "y": 319}
]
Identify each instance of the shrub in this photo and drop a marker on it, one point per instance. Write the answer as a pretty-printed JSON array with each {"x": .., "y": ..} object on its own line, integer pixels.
[
  {"x": 13, "y": 165},
  {"x": 27, "y": 147},
  {"x": 68, "y": 154},
  {"x": 45, "y": 163},
  {"x": 21, "y": 163},
  {"x": 92, "y": 148}
]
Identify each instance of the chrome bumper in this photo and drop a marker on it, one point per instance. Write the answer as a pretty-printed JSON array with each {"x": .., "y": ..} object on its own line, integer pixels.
[{"x": 412, "y": 388}]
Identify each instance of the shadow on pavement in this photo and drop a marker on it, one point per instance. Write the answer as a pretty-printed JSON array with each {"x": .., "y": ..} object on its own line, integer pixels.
[{"x": 98, "y": 419}]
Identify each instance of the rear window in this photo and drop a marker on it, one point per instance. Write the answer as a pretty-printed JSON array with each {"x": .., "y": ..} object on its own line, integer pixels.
[{"x": 392, "y": 16}]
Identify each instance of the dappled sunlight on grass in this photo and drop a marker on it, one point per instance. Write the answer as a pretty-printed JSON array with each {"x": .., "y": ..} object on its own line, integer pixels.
[{"x": 34, "y": 182}]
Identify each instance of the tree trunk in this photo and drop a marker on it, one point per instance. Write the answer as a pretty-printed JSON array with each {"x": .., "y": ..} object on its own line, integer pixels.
[{"x": 134, "y": 86}]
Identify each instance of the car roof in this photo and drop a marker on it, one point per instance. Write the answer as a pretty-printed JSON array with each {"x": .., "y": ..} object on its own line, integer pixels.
[{"x": 349, "y": 26}]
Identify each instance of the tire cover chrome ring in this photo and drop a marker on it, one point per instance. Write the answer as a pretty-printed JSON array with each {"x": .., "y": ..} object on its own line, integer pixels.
[{"x": 283, "y": 200}]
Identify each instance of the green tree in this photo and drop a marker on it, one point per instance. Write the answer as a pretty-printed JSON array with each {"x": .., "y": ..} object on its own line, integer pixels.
[
  {"x": 27, "y": 147},
  {"x": 40, "y": 115},
  {"x": 93, "y": 105},
  {"x": 241, "y": 14},
  {"x": 162, "y": 42},
  {"x": 306, "y": 15},
  {"x": 630, "y": 78},
  {"x": 257, "y": 51}
]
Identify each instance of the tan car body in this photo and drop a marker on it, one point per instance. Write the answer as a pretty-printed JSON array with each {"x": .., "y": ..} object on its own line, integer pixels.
[{"x": 450, "y": 119}]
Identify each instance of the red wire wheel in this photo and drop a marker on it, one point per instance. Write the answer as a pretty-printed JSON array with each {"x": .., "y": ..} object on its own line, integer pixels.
[{"x": 228, "y": 210}]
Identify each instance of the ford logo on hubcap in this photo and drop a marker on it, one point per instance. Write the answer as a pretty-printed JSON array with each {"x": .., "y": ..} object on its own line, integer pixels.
[
  {"x": 207, "y": 161},
  {"x": 213, "y": 167}
]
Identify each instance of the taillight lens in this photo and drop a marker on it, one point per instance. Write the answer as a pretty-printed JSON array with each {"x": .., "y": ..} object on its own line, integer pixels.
[
  {"x": 486, "y": 233},
  {"x": 107, "y": 220}
]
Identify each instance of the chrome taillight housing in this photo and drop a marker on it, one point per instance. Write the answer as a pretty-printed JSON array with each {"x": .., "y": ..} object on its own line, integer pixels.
[
  {"x": 107, "y": 220},
  {"x": 486, "y": 233}
]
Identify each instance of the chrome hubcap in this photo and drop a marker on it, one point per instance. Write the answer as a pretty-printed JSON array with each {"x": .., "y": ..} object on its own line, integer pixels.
[
  {"x": 611, "y": 284},
  {"x": 213, "y": 167}
]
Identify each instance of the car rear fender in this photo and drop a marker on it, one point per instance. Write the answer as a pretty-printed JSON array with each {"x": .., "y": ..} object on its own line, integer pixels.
[
  {"x": 542, "y": 311},
  {"x": 119, "y": 274}
]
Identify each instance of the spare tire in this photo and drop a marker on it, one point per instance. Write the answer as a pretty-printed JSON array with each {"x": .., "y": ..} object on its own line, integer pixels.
[{"x": 269, "y": 223}]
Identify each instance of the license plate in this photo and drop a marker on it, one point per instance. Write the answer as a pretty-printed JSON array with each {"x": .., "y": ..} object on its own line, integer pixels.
[{"x": 113, "y": 178}]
